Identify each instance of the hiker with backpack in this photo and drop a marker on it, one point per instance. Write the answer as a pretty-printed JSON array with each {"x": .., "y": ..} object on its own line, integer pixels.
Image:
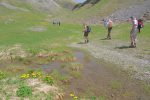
[
  {"x": 140, "y": 25},
  {"x": 86, "y": 32},
  {"x": 109, "y": 27},
  {"x": 133, "y": 32}
]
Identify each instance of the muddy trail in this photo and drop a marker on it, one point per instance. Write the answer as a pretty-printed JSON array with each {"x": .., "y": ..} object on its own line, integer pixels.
[{"x": 100, "y": 79}]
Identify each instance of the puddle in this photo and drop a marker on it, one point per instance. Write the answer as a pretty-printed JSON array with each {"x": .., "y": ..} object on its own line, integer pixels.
[{"x": 98, "y": 78}]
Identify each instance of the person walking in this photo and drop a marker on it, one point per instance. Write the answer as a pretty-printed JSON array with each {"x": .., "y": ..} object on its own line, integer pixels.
[
  {"x": 86, "y": 32},
  {"x": 133, "y": 32},
  {"x": 110, "y": 24}
]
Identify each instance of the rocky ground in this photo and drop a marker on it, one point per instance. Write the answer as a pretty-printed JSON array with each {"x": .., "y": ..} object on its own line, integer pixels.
[
  {"x": 139, "y": 9},
  {"x": 126, "y": 60}
]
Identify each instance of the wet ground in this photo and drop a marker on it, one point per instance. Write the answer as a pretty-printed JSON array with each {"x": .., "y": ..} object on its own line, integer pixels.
[
  {"x": 101, "y": 79},
  {"x": 98, "y": 78}
]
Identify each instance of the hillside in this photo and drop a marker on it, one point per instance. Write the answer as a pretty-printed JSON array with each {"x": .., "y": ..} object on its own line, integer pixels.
[
  {"x": 93, "y": 11},
  {"x": 79, "y": 5},
  {"x": 48, "y": 6},
  {"x": 90, "y": 11}
]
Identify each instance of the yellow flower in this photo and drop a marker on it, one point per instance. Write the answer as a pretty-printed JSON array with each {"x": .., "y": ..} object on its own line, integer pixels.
[
  {"x": 33, "y": 74},
  {"x": 72, "y": 95},
  {"x": 40, "y": 76},
  {"x": 75, "y": 97},
  {"x": 27, "y": 76},
  {"x": 23, "y": 76},
  {"x": 38, "y": 73}
]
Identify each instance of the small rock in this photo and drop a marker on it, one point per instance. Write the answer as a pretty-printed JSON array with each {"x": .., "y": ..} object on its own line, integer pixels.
[{"x": 112, "y": 95}]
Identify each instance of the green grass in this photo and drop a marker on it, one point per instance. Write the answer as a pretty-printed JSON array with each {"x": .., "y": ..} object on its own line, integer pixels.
[
  {"x": 18, "y": 32},
  {"x": 122, "y": 31},
  {"x": 116, "y": 85},
  {"x": 147, "y": 88},
  {"x": 16, "y": 25}
]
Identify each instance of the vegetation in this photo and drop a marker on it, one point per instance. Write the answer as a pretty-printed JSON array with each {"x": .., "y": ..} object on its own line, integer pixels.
[
  {"x": 35, "y": 53},
  {"x": 48, "y": 79},
  {"x": 2, "y": 75},
  {"x": 24, "y": 91}
]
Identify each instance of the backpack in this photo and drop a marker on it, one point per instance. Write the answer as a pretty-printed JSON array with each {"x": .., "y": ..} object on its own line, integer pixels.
[
  {"x": 88, "y": 29},
  {"x": 106, "y": 23}
]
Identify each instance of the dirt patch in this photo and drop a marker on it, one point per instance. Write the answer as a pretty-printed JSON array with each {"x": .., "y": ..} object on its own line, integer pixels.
[
  {"x": 33, "y": 82},
  {"x": 46, "y": 88},
  {"x": 13, "y": 52},
  {"x": 40, "y": 87},
  {"x": 38, "y": 29}
]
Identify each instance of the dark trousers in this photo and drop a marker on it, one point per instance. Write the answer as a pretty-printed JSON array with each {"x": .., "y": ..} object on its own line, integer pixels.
[{"x": 109, "y": 31}]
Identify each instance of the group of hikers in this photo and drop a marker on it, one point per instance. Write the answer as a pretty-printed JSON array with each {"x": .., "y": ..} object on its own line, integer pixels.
[
  {"x": 136, "y": 27},
  {"x": 56, "y": 23}
]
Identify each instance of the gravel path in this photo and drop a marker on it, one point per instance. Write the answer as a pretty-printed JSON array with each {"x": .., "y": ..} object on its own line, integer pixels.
[{"x": 140, "y": 68}]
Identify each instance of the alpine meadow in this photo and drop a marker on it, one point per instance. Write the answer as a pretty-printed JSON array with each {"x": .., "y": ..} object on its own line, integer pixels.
[{"x": 65, "y": 50}]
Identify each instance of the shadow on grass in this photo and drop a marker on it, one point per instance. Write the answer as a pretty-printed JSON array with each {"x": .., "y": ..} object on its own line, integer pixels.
[
  {"x": 81, "y": 43},
  {"x": 123, "y": 47},
  {"x": 105, "y": 39}
]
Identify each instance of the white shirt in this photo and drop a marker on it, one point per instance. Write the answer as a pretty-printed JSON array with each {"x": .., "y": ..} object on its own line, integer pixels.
[{"x": 134, "y": 23}]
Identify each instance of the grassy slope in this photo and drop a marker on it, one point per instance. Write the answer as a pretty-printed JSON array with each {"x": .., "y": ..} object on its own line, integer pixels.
[{"x": 17, "y": 31}]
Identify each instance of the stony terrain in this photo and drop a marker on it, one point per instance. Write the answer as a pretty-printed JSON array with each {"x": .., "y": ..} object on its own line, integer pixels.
[
  {"x": 120, "y": 10},
  {"x": 139, "y": 9},
  {"x": 138, "y": 68}
]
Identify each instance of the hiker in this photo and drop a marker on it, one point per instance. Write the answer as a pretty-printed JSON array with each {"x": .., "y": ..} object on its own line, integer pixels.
[
  {"x": 140, "y": 25},
  {"x": 59, "y": 23},
  {"x": 53, "y": 22},
  {"x": 109, "y": 26},
  {"x": 86, "y": 32},
  {"x": 133, "y": 32}
]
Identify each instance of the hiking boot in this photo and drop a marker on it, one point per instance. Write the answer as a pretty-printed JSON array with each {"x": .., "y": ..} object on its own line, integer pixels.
[
  {"x": 87, "y": 41},
  {"x": 131, "y": 46},
  {"x": 135, "y": 45}
]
